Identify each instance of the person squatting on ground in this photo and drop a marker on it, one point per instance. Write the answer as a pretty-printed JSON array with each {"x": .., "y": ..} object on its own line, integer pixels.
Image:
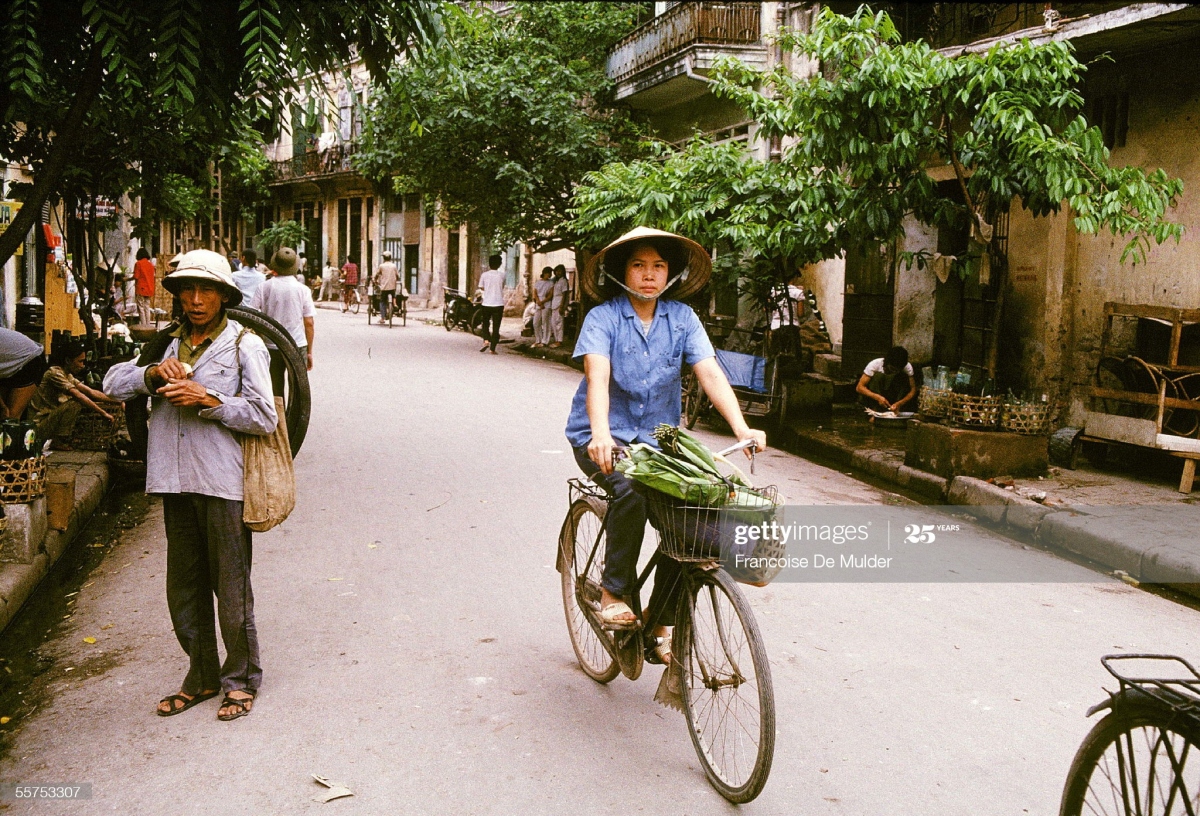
[
  {"x": 888, "y": 383},
  {"x": 212, "y": 383},
  {"x": 633, "y": 346},
  {"x": 541, "y": 317},
  {"x": 492, "y": 284},
  {"x": 285, "y": 299},
  {"x": 143, "y": 276},
  {"x": 60, "y": 398},
  {"x": 559, "y": 290},
  {"x": 22, "y": 363}
]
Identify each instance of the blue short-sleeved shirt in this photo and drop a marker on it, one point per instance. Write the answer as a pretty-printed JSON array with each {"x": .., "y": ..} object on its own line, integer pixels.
[{"x": 644, "y": 387}]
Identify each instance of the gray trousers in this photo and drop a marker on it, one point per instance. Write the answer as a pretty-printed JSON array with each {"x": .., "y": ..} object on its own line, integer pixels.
[{"x": 208, "y": 553}]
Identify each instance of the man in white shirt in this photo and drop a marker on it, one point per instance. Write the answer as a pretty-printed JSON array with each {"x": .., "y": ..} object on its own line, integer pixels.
[
  {"x": 388, "y": 285},
  {"x": 288, "y": 301},
  {"x": 558, "y": 304},
  {"x": 888, "y": 383},
  {"x": 492, "y": 284},
  {"x": 328, "y": 279}
]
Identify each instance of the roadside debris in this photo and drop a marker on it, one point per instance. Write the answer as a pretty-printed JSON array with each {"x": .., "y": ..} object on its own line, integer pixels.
[{"x": 336, "y": 790}]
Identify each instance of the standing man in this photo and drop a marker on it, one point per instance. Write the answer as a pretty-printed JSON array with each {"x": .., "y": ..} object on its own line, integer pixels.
[
  {"x": 328, "y": 280},
  {"x": 385, "y": 284},
  {"x": 212, "y": 383},
  {"x": 143, "y": 276},
  {"x": 558, "y": 304},
  {"x": 492, "y": 284},
  {"x": 288, "y": 301},
  {"x": 248, "y": 277}
]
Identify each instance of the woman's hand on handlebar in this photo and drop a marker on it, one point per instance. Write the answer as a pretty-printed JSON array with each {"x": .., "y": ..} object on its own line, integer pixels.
[
  {"x": 760, "y": 441},
  {"x": 600, "y": 451}
]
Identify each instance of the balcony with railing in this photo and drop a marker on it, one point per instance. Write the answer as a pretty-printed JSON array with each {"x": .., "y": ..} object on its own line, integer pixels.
[
  {"x": 684, "y": 42},
  {"x": 332, "y": 161}
]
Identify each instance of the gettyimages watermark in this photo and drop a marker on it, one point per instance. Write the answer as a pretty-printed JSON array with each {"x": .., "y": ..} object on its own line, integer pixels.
[{"x": 898, "y": 544}]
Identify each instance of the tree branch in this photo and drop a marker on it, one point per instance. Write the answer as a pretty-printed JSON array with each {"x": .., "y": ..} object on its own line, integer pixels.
[{"x": 68, "y": 136}]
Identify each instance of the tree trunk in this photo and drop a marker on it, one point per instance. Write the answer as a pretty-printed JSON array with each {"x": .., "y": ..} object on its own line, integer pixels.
[{"x": 66, "y": 139}]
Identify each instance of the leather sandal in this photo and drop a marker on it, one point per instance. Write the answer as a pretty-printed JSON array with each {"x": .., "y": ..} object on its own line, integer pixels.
[
  {"x": 188, "y": 702},
  {"x": 241, "y": 705},
  {"x": 609, "y": 616}
]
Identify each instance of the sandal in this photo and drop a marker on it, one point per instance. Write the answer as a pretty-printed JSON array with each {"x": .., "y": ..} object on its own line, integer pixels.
[
  {"x": 241, "y": 705},
  {"x": 187, "y": 701},
  {"x": 609, "y": 616},
  {"x": 658, "y": 650}
]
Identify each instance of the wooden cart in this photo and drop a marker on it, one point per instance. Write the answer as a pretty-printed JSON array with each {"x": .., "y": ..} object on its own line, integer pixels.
[{"x": 1102, "y": 426}]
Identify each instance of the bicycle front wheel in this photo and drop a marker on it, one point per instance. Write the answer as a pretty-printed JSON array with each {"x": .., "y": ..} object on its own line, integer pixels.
[
  {"x": 583, "y": 532},
  {"x": 727, "y": 693},
  {"x": 355, "y": 303},
  {"x": 1135, "y": 762}
]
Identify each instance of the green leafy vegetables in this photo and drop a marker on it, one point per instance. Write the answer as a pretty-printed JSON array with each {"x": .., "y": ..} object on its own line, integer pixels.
[{"x": 687, "y": 470}]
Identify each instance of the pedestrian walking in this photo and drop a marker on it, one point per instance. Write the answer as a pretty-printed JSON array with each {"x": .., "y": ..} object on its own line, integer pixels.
[
  {"x": 541, "y": 298},
  {"x": 143, "y": 276},
  {"x": 248, "y": 277},
  {"x": 285, "y": 299},
  {"x": 211, "y": 384},
  {"x": 558, "y": 304},
  {"x": 492, "y": 284}
]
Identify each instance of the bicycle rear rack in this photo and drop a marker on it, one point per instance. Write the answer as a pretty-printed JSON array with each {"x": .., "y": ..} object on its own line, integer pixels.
[{"x": 1180, "y": 695}]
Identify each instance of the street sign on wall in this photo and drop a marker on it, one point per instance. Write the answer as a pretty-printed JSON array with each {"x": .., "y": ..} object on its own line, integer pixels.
[{"x": 8, "y": 211}]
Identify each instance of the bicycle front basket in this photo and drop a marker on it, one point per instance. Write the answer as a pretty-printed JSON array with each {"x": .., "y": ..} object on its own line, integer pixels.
[{"x": 692, "y": 531}]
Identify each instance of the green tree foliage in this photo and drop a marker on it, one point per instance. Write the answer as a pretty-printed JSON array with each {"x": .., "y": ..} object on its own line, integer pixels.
[
  {"x": 499, "y": 123},
  {"x": 280, "y": 234},
  {"x": 1007, "y": 120},
  {"x": 102, "y": 97},
  {"x": 768, "y": 220}
]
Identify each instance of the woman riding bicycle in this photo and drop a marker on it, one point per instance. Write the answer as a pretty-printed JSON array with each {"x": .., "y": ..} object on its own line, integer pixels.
[{"x": 633, "y": 346}]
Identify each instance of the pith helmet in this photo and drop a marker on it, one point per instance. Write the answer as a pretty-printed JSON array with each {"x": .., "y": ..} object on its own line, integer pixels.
[
  {"x": 698, "y": 268},
  {"x": 206, "y": 265}
]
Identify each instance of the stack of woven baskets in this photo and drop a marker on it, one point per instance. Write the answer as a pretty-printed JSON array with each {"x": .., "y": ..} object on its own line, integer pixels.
[
  {"x": 986, "y": 413},
  {"x": 95, "y": 433}
]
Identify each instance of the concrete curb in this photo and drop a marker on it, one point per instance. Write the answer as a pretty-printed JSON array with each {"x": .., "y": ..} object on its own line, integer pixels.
[
  {"x": 1119, "y": 540},
  {"x": 19, "y": 581}
]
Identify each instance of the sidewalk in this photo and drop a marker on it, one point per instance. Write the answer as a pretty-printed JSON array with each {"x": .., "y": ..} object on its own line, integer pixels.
[
  {"x": 19, "y": 578},
  {"x": 1139, "y": 525}
]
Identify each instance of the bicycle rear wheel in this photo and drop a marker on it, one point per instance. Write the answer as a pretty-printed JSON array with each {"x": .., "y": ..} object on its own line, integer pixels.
[
  {"x": 727, "y": 692},
  {"x": 355, "y": 302},
  {"x": 298, "y": 399},
  {"x": 694, "y": 399},
  {"x": 1138, "y": 761},
  {"x": 582, "y": 530}
]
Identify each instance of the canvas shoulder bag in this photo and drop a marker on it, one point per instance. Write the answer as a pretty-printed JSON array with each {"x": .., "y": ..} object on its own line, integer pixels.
[{"x": 269, "y": 480}]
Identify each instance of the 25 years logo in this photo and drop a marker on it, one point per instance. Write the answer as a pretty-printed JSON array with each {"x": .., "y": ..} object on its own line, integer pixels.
[{"x": 919, "y": 534}]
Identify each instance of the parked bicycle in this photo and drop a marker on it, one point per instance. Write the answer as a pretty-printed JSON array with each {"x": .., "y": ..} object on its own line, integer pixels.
[
  {"x": 754, "y": 377},
  {"x": 719, "y": 674},
  {"x": 458, "y": 310},
  {"x": 1142, "y": 758}
]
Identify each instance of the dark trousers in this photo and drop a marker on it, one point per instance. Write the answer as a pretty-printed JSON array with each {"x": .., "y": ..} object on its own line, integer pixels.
[
  {"x": 208, "y": 553},
  {"x": 624, "y": 528},
  {"x": 492, "y": 315}
]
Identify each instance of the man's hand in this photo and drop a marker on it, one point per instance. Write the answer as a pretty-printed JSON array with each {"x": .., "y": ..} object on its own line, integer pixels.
[
  {"x": 170, "y": 369},
  {"x": 883, "y": 401},
  {"x": 600, "y": 451},
  {"x": 187, "y": 393},
  {"x": 310, "y": 361}
]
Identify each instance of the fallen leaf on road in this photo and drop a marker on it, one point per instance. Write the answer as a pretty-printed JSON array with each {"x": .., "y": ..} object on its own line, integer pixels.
[
  {"x": 89, "y": 640},
  {"x": 106, "y": 626},
  {"x": 336, "y": 579},
  {"x": 376, "y": 547},
  {"x": 5, "y": 720},
  {"x": 336, "y": 790}
]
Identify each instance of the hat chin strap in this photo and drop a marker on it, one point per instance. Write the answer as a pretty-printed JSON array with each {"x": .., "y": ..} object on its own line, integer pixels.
[{"x": 681, "y": 276}]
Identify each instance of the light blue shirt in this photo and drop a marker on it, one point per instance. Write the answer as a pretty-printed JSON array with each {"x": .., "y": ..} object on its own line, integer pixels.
[
  {"x": 248, "y": 279},
  {"x": 644, "y": 389},
  {"x": 197, "y": 450}
]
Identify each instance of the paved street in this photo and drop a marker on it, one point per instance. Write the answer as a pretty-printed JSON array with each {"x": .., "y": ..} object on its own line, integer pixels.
[{"x": 414, "y": 645}]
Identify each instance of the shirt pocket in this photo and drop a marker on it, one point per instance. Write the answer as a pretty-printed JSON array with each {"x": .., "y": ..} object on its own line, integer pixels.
[{"x": 672, "y": 357}]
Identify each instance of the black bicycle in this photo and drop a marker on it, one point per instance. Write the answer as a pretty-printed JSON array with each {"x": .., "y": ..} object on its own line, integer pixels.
[
  {"x": 719, "y": 674},
  {"x": 1141, "y": 759}
]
